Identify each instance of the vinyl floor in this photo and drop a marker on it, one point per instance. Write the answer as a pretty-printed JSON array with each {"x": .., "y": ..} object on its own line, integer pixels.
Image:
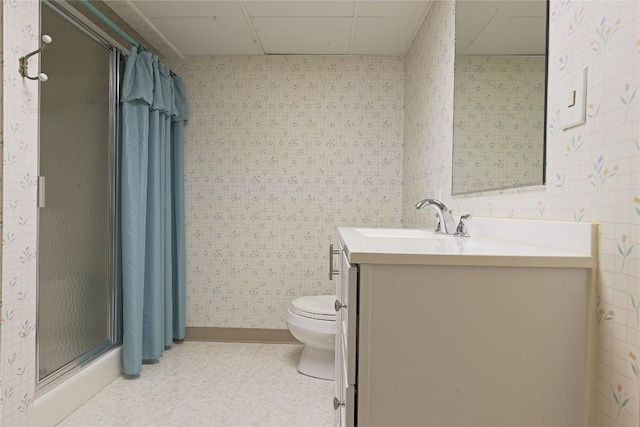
[{"x": 214, "y": 384}]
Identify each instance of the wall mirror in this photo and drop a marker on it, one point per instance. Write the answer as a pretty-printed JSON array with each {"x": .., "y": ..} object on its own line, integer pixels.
[{"x": 500, "y": 94}]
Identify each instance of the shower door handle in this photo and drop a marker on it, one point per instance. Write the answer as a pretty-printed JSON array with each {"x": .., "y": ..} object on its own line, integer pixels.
[{"x": 41, "y": 192}]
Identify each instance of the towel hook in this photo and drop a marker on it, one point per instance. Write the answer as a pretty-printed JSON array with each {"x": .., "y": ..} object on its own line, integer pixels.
[{"x": 24, "y": 65}]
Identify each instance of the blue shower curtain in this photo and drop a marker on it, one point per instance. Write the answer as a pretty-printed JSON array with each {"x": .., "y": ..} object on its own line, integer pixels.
[{"x": 154, "y": 110}]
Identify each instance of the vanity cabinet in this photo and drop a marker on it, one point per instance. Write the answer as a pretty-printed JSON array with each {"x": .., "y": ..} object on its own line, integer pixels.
[{"x": 461, "y": 342}]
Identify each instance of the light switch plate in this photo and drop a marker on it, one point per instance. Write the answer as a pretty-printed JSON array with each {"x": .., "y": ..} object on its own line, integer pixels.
[{"x": 574, "y": 110}]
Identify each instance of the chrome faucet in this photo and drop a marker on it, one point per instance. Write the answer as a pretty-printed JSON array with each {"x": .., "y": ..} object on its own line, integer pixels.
[
  {"x": 461, "y": 231},
  {"x": 447, "y": 223}
]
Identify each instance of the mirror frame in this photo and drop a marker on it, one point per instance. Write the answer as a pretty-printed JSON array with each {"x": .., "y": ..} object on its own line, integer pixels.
[{"x": 543, "y": 178}]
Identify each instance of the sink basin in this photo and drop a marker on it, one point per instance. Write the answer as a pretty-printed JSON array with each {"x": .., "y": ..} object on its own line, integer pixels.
[{"x": 398, "y": 233}]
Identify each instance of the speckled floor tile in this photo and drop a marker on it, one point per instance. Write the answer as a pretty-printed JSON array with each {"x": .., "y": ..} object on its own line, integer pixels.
[{"x": 214, "y": 384}]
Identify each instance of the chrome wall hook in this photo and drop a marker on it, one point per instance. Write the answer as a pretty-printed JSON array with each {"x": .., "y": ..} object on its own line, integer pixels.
[{"x": 24, "y": 65}]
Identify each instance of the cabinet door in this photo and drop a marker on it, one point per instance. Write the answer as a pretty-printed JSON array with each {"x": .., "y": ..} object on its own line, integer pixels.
[
  {"x": 349, "y": 279},
  {"x": 340, "y": 368},
  {"x": 346, "y": 294}
]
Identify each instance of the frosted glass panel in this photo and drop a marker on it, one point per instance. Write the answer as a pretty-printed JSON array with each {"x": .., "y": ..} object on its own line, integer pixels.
[{"x": 73, "y": 239}]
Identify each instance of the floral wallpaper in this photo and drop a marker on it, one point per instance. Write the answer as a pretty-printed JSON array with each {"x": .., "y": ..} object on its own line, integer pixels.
[
  {"x": 1, "y": 148},
  {"x": 19, "y": 167},
  {"x": 592, "y": 169},
  {"x": 283, "y": 149},
  {"x": 499, "y": 122},
  {"x": 428, "y": 129},
  {"x": 279, "y": 151}
]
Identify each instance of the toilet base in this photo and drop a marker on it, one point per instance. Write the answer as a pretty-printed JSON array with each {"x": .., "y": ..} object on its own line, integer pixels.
[{"x": 317, "y": 363}]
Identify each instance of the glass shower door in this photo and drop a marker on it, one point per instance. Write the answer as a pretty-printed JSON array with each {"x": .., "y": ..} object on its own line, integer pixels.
[{"x": 75, "y": 220}]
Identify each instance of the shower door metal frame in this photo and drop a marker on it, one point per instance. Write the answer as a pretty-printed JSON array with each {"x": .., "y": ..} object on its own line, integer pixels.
[{"x": 114, "y": 335}]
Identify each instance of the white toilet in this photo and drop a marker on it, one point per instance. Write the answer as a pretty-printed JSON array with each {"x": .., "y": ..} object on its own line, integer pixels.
[{"x": 312, "y": 321}]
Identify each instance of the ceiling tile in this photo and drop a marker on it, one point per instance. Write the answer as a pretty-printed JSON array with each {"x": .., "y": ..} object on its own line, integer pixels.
[
  {"x": 256, "y": 27},
  {"x": 384, "y": 36},
  {"x": 471, "y": 18},
  {"x": 523, "y": 8},
  {"x": 207, "y": 36},
  {"x": 478, "y": 9},
  {"x": 395, "y": 8},
  {"x": 511, "y": 36},
  {"x": 319, "y": 36},
  {"x": 307, "y": 8},
  {"x": 179, "y": 8}
]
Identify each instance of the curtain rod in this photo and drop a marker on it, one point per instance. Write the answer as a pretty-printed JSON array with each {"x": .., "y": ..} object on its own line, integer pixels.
[{"x": 110, "y": 23}]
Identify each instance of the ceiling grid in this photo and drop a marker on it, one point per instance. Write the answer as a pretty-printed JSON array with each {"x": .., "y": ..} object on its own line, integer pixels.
[
  {"x": 179, "y": 28},
  {"x": 264, "y": 27}
]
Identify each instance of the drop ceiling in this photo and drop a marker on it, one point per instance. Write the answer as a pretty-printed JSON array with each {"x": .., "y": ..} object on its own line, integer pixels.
[
  {"x": 501, "y": 27},
  {"x": 180, "y": 28},
  {"x": 264, "y": 27}
]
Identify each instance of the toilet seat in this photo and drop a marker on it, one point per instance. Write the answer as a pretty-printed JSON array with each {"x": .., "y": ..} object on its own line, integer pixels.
[{"x": 319, "y": 307}]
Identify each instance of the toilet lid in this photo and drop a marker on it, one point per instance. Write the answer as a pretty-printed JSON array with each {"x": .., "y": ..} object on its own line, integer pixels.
[{"x": 316, "y": 307}]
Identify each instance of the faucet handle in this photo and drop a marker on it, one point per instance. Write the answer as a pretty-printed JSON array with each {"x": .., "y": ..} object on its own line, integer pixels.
[{"x": 462, "y": 226}]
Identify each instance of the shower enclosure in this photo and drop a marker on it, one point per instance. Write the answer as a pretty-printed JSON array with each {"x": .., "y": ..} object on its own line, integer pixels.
[{"x": 77, "y": 252}]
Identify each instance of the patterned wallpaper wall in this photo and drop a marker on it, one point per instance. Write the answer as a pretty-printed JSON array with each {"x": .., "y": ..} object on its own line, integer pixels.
[
  {"x": 498, "y": 122},
  {"x": 1, "y": 178},
  {"x": 268, "y": 134},
  {"x": 428, "y": 129},
  {"x": 19, "y": 163},
  {"x": 592, "y": 170},
  {"x": 279, "y": 151}
]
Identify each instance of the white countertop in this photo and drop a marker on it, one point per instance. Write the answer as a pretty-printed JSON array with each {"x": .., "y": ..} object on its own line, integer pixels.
[{"x": 451, "y": 250}]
